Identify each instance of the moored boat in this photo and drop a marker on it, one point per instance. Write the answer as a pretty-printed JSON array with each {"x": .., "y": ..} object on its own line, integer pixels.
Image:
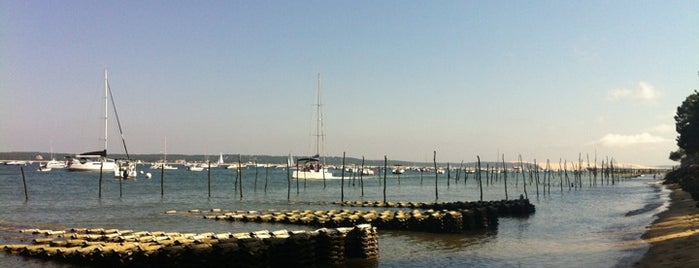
[
  {"x": 98, "y": 160},
  {"x": 312, "y": 167}
]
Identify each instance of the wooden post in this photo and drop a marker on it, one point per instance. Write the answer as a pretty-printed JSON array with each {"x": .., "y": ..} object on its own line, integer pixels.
[
  {"x": 421, "y": 171},
  {"x": 342, "y": 180},
  {"x": 536, "y": 177},
  {"x": 121, "y": 192},
  {"x": 565, "y": 172},
  {"x": 385, "y": 167},
  {"x": 235, "y": 182},
  {"x": 560, "y": 160},
  {"x": 266, "y": 176},
  {"x": 162, "y": 174},
  {"x": 504, "y": 175},
  {"x": 322, "y": 169},
  {"x": 611, "y": 169},
  {"x": 478, "y": 174},
  {"x": 458, "y": 172},
  {"x": 208, "y": 176},
  {"x": 436, "y": 176},
  {"x": 448, "y": 174},
  {"x": 240, "y": 174},
  {"x": 100, "y": 183},
  {"x": 548, "y": 171},
  {"x": 255, "y": 185},
  {"x": 297, "y": 178},
  {"x": 24, "y": 181},
  {"x": 361, "y": 176},
  {"x": 487, "y": 174},
  {"x": 288, "y": 180},
  {"x": 524, "y": 181}
]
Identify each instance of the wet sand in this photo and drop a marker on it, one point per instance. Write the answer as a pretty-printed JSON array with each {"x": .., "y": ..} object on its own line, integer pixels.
[{"x": 674, "y": 236}]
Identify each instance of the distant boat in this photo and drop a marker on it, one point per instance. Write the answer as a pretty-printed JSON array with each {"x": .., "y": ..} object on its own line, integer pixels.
[
  {"x": 312, "y": 167},
  {"x": 53, "y": 163},
  {"x": 44, "y": 168},
  {"x": 398, "y": 170},
  {"x": 367, "y": 171},
  {"x": 91, "y": 161},
  {"x": 220, "y": 159},
  {"x": 163, "y": 164},
  {"x": 97, "y": 160},
  {"x": 197, "y": 167}
]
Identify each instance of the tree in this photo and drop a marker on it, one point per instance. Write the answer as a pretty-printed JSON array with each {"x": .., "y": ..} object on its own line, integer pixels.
[{"x": 687, "y": 126}]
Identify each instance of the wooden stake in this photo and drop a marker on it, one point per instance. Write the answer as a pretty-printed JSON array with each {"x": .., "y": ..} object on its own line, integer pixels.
[
  {"x": 100, "y": 183},
  {"x": 448, "y": 174},
  {"x": 266, "y": 176},
  {"x": 385, "y": 167},
  {"x": 162, "y": 174},
  {"x": 240, "y": 174},
  {"x": 288, "y": 180},
  {"x": 342, "y": 180},
  {"x": 361, "y": 176},
  {"x": 504, "y": 175},
  {"x": 120, "y": 188},
  {"x": 208, "y": 176},
  {"x": 524, "y": 182},
  {"x": 24, "y": 181},
  {"x": 478, "y": 174},
  {"x": 436, "y": 176},
  {"x": 209, "y": 181}
]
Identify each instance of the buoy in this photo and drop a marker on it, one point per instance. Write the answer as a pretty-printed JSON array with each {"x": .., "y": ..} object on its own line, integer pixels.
[{"x": 148, "y": 175}]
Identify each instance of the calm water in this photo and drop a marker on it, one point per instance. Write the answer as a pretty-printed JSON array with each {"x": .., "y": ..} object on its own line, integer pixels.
[{"x": 597, "y": 226}]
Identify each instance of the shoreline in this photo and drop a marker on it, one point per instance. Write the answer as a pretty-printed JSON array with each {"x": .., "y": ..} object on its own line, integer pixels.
[{"x": 674, "y": 235}]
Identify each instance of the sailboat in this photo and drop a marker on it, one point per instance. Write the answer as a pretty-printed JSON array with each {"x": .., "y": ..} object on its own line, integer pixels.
[
  {"x": 163, "y": 164},
  {"x": 312, "y": 167},
  {"x": 97, "y": 160},
  {"x": 53, "y": 163}
]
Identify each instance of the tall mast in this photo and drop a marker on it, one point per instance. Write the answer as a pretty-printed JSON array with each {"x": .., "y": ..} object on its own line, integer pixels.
[
  {"x": 106, "y": 104},
  {"x": 319, "y": 121}
]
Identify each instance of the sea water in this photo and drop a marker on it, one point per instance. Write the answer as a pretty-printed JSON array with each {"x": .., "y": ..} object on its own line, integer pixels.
[{"x": 596, "y": 225}]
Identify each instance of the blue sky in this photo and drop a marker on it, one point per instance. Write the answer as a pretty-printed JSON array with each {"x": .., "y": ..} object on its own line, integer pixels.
[{"x": 544, "y": 79}]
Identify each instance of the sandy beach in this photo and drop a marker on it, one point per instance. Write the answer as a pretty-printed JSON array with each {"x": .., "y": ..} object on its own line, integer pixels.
[{"x": 674, "y": 236}]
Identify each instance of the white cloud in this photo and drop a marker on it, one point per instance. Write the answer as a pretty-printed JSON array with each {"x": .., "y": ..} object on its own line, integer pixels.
[
  {"x": 618, "y": 140},
  {"x": 663, "y": 129},
  {"x": 645, "y": 92}
]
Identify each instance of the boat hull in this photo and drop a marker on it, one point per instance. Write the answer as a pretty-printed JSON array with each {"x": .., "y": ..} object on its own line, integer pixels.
[
  {"x": 92, "y": 166},
  {"x": 56, "y": 164},
  {"x": 312, "y": 175}
]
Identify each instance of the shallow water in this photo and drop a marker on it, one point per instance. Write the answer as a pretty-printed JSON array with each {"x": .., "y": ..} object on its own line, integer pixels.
[{"x": 592, "y": 226}]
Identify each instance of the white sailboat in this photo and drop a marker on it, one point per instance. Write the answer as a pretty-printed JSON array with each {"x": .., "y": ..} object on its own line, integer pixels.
[
  {"x": 312, "y": 167},
  {"x": 163, "y": 164},
  {"x": 220, "y": 159},
  {"x": 53, "y": 163},
  {"x": 97, "y": 160}
]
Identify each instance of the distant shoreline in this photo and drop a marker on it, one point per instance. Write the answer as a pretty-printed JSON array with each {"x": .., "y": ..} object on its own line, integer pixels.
[
  {"x": 282, "y": 159},
  {"x": 674, "y": 236}
]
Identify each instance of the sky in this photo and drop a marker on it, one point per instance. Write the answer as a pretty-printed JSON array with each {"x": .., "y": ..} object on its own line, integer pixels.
[{"x": 403, "y": 79}]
